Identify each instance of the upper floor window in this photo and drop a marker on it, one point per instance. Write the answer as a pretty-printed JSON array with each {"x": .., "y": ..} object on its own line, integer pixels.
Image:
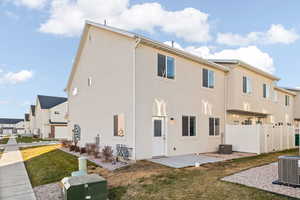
[
  {"x": 165, "y": 66},
  {"x": 266, "y": 91},
  {"x": 247, "y": 88},
  {"x": 208, "y": 78},
  {"x": 287, "y": 100},
  {"x": 188, "y": 126}
]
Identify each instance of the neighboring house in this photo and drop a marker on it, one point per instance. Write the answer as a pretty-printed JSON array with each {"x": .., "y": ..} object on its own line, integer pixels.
[
  {"x": 32, "y": 124},
  {"x": 50, "y": 117},
  {"x": 161, "y": 101},
  {"x": 27, "y": 123},
  {"x": 10, "y": 126}
]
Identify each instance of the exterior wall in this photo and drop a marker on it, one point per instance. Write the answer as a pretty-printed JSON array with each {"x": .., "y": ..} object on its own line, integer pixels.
[
  {"x": 41, "y": 121},
  {"x": 27, "y": 127},
  {"x": 237, "y": 100},
  {"x": 32, "y": 123},
  {"x": 108, "y": 59},
  {"x": 182, "y": 96},
  {"x": 58, "y": 113},
  {"x": 284, "y": 114},
  {"x": 297, "y": 105}
]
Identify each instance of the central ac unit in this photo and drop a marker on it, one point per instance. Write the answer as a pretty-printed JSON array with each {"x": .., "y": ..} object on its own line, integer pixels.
[{"x": 289, "y": 170}]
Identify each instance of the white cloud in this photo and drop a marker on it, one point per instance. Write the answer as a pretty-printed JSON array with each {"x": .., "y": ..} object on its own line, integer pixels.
[
  {"x": 276, "y": 34},
  {"x": 29, "y": 3},
  {"x": 16, "y": 77},
  {"x": 250, "y": 54},
  {"x": 67, "y": 18}
]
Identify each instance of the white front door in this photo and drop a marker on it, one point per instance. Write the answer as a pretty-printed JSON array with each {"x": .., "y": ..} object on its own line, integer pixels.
[{"x": 158, "y": 137}]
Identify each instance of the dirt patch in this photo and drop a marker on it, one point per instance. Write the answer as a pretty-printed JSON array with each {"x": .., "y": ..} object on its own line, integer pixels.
[{"x": 129, "y": 174}]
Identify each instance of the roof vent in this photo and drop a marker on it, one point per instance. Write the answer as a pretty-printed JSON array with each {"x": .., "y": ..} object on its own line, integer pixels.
[{"x": 172, "y": 44}]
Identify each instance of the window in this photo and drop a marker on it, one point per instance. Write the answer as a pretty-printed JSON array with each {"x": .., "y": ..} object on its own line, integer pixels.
[
  {"x": 247, "y": 85},
  {"x": 287, "y": 100},
  {"x": 188, "y": 126},
  {"x": 90, "y": 81},
  {"x": 266, "y": 91},
  {"x": 214, "y": 126},
  {"x": 157, "y": 128},
  {"x": 208, "y": 78},
  {"x": 165, "y": 66},
  {"x": 119, "y": 125}
]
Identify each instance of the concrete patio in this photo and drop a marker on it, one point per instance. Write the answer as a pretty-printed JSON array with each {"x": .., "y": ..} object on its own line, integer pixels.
[{"x": 185, "y": 160}]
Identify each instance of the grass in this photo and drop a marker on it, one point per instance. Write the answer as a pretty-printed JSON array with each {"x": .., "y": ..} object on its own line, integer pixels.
[
  {"x": 47, "y": 164},
  {"x": 4, "y": 140},
  {"x": 30, "y": 139},
  {"x": 145, "y": 180}
]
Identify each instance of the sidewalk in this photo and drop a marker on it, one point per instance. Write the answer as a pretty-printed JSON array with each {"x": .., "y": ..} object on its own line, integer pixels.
[{"x": 14, "y": 181}]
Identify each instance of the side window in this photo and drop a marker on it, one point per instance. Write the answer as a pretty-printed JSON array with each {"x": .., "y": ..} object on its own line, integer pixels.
[
  {"x": 165, "y": 66},
  {"x": 90, "y": 81},
  {"x": 214, "y": 126},
  {"x": 247, "y": 87},
  {"x": 208, "y": 78},
  {"x": 287, "y": 100},
  {"x": 266, "y": 91},
  {"x": 188, "y": 126},
  {"x": 119, "y": 125}
]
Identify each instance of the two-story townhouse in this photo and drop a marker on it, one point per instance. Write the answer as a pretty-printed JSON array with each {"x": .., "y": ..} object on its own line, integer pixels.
[
  {"x": 8, "y": 126},
  {"x": 49, "y": 116},
  {"x": 32, "y": 124},
  {"x": 157, "y": 100},
  {"x": 27, "y": 123}
]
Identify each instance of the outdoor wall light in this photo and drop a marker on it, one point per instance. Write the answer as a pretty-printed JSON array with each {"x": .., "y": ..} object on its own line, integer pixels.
[{"x": 172, "y": 120}]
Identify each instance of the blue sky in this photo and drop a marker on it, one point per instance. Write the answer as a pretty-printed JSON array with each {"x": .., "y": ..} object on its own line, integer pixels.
[{"x": 39, "y": 38}]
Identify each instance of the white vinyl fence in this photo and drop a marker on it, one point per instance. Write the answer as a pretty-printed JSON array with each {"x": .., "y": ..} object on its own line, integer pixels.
[{"x": 260, "y": 138}]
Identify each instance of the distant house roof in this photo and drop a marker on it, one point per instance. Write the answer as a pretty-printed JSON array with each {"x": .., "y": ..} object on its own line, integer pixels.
[
  {"x": 245, "y": 65},
  {"x": 10, "y": 121},
  {"x": 47, "y": 102},
  {"x": 27, "y": 117},
  {"x": 32, "y": 107}
]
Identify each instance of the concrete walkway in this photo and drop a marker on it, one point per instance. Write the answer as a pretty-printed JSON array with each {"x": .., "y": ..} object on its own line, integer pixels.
[{"x": 14, "y": 181}]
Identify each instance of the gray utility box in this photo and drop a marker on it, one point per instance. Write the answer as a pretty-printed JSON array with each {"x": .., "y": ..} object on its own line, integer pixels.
[
  {"x": 289, "y": 170},
  {"x": 225, "y": 149},
  {"x": 91, "y": 187}
]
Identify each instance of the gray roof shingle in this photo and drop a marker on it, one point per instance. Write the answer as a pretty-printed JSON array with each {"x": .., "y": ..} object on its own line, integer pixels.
[
  {"x": 47, "y": 102},
  {"x": 10, "y": 121}
]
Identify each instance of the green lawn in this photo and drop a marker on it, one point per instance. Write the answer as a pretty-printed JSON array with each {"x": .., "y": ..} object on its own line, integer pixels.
[
  {"x": 4, "y": 140},
  {"x": 145, "y": 180},
  {"x": 47, "y": 164},
  {"x": 30, "y": 139}
]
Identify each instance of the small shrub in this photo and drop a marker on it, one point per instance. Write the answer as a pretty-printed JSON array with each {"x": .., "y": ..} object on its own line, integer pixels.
[
  {"x": 107, "y": 153},
  {"x": 77, "y": 149},
  {"x": 82, "y": 150},
  {"x": 72, "y": 148}
]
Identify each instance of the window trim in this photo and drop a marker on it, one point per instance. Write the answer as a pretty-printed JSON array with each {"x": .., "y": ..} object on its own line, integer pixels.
[
  {"x": 189, "y": 132},
  {"x": 165, "y": 75}
]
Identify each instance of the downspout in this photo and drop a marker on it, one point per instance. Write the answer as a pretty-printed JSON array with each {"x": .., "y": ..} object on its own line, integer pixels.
[
  {"x": 137, "y": 42},
  {"x": 225, "y": 105}
]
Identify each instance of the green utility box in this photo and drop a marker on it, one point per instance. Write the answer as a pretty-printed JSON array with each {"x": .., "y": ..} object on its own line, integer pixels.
[
  {"x": 297, "y": 139},
  {"x": 91, "y": 187}
]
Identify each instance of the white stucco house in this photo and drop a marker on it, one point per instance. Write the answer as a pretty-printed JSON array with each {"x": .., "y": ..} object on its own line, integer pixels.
[
  {"x": 161, "y": 101},
  {"x": 9, "y": 126},
  {"x": 50, "y": 112}
]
